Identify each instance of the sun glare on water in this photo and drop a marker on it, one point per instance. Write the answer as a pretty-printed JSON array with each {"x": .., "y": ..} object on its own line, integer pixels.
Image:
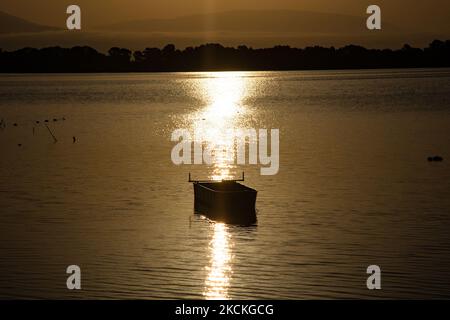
[
  {"x": 219, "y": 268},
  {"x": 224, "y": 93}
]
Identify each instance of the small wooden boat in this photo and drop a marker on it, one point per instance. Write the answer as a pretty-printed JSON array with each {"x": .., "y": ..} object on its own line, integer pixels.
[{"x": 225, "y": 201}]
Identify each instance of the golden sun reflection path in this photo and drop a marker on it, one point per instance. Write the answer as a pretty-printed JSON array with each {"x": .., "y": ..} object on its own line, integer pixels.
[
  {"x": 223, "y": 93},
  {"x": 220, "y": 267},
  {"x": 224, "y": 110},
  {"x": 214, "y": 125}
]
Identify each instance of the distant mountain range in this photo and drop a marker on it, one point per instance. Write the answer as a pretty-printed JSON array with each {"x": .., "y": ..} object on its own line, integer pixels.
[
  {"x": 12, "y": 24},
  {"x": 249, "y": 21},
  {"x": 245, "y": 21},
  {"x": 256, "y": 28}
]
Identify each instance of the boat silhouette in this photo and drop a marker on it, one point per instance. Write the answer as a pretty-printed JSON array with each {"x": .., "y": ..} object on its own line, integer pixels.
[{"x": 225, "y": 200}]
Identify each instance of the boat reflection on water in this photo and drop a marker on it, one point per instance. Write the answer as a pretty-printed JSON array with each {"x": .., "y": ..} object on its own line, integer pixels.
[{"x": 219, "y": 269}]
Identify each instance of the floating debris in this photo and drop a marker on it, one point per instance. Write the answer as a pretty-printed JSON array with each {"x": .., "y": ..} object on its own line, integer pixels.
[
  {"x": 435, "y": 159},
  {"x": 74, "y": 139},
  {"x": 19, "y": 144},
  {"x": 15, "y": 124}
]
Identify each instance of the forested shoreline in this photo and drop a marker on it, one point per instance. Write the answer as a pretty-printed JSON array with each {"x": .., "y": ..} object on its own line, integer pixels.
[{"x": 215, "y": 57}]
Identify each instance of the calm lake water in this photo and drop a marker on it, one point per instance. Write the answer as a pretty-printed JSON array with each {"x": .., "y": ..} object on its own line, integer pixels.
[{"x": 354, "y": 186}]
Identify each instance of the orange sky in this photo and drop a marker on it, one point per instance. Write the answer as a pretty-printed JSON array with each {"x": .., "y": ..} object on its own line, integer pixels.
[{"x": 430, "y": 15}]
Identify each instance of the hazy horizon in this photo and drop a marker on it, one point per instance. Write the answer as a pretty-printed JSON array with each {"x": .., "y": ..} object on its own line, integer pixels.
[
  {"x": 141, "y": 24},
  {"x": 417, "y": 15}
]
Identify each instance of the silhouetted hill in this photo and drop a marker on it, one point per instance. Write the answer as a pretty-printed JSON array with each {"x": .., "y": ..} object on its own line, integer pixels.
[
  {"x": 215, "y": 57},
  {"x": 12, "y": 24},
  {"x": 273, "y": 21},
  {"x": 257, "y": 28}
]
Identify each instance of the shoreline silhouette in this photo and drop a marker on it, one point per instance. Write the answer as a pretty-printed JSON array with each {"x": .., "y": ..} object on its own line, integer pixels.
[{"x": 215, "y": 57}]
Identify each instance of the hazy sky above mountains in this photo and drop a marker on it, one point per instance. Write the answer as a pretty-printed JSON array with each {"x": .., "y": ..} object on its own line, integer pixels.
[
  {"x": 415, "y": 15},
  {"x": 250, "y": 22}
]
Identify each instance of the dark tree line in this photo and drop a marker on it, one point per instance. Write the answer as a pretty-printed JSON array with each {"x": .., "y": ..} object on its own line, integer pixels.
[{"x": 217, "y": 57}]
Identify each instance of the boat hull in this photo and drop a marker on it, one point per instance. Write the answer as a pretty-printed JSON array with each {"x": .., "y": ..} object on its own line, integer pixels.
[{"x": 234, "y": 204}]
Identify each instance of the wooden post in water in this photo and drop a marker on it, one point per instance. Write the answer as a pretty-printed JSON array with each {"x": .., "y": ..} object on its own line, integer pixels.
[{"x": 54, "y": 138}]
